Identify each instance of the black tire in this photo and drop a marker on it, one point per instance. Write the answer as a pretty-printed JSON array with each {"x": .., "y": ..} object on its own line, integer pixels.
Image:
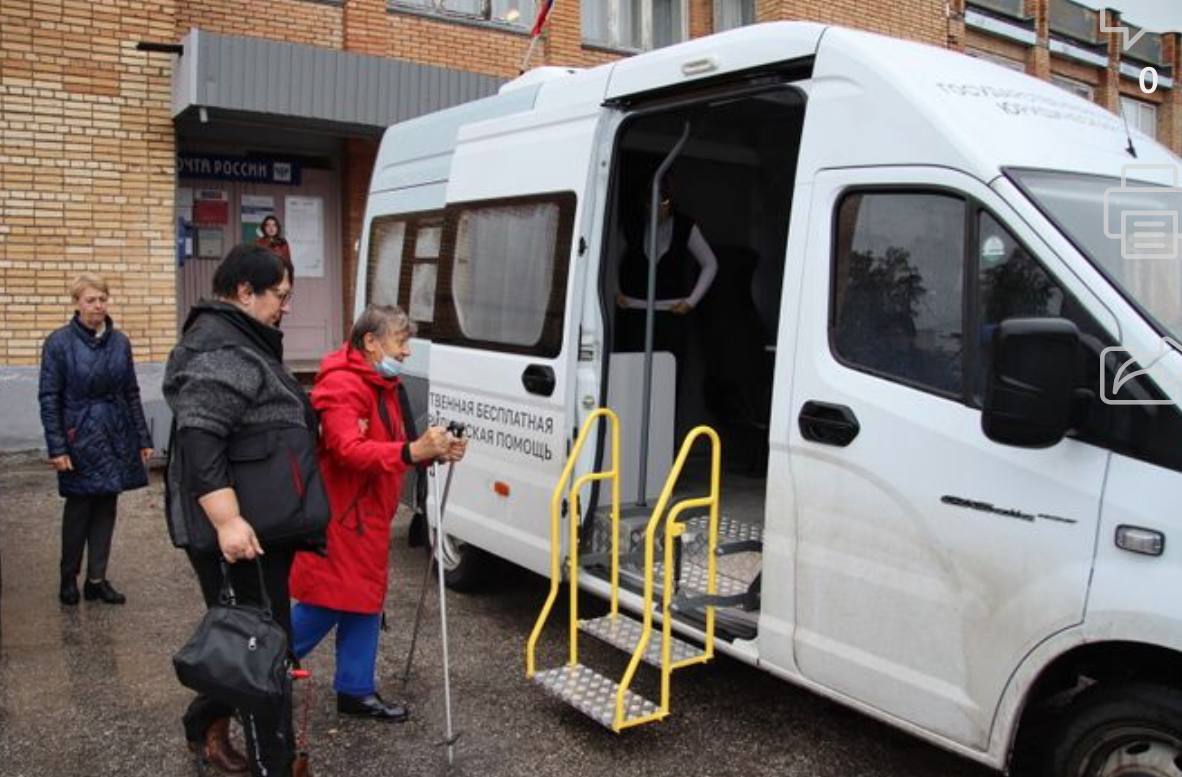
[
  {"x": 1128, "y": 729},
  {"x": 465, "y": 567}
]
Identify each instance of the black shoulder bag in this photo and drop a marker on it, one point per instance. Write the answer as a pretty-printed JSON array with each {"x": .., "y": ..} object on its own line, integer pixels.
[{"x": 238, "y": 654}]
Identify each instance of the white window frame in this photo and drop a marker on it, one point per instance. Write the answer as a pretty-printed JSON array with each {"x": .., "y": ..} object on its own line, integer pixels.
[
  {"x": 525, "y": 19},
  {"x": 615, "y": 11},
  {"x": 997, "y": 59},
  {"x": 1141, "y": 115},
  {"x": 1080, "y": 88}
]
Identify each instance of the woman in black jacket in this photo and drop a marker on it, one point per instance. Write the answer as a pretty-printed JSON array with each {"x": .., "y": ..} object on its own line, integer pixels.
[
  {"x": 243, "y": 480},
  {"x": 95, "y": 433}
]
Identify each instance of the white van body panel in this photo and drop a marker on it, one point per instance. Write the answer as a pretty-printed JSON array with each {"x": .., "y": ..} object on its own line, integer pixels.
[
  {"x": 873, "y": 102},
  {"x": 876, "y": 100},
  {"x": 734, "y": 51},
  {"x": 541, "y": 152}
]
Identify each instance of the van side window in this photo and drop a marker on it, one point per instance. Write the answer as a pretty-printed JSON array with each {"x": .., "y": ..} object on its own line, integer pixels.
[
  {"x": 386, "y": 236},
  {"x": 503, "y": 280},
  {"x": 420, "y": 273},
  {"x": 898, "y": 278}
]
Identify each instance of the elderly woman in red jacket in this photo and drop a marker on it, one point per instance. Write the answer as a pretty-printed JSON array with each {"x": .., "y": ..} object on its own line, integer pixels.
[{"x": 365, "y": 449}]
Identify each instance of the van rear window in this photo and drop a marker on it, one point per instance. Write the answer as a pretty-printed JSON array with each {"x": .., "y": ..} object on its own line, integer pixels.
[{"x": 502, "y": 279}]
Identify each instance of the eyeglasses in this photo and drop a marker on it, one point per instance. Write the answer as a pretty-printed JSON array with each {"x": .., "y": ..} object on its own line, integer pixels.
[{"x": 284, "y": 297}]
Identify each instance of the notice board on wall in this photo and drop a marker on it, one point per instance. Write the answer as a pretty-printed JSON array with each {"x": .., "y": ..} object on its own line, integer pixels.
[{"x": 305, "y": 234}]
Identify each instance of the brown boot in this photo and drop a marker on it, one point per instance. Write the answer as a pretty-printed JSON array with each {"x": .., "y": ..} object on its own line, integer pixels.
[{"x": 219, "y": 751}]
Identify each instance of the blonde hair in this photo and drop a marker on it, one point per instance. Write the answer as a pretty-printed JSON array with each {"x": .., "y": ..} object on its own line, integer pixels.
[{"x": 88, "y": 280}]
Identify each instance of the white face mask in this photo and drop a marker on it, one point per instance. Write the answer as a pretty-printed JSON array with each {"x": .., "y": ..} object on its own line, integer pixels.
[{"x": 388, "y": 366}]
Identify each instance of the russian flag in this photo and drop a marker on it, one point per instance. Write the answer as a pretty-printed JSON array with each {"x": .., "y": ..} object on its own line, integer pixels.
[{"x": 540, "y": 21}]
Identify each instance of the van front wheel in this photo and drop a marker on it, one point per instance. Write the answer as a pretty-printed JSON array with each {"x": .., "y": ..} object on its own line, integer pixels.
[{"x": 1128, "y": 730}]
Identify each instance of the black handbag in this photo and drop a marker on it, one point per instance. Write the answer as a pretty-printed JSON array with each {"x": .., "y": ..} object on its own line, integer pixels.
[{"x": 238, "y": 654}]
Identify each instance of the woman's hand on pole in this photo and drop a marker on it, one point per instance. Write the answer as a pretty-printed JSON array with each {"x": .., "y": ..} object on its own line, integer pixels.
[{"x": 433, "y": 444}]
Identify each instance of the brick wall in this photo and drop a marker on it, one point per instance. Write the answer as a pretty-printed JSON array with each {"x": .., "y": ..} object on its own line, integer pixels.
[
  {"x": 294, "y": 21},
  {"x": 87, "y": 144},
  {"x": 359, "y": 158},
  {"x": 921, "y": 20},
  {"x": 86, "y": 168}
]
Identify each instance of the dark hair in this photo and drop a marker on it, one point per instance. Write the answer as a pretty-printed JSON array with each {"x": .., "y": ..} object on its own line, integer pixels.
[
  {"x": 250, "y": 264},
  {"x": 379, "y": 319},
  {"x": 278, "y": 226}
]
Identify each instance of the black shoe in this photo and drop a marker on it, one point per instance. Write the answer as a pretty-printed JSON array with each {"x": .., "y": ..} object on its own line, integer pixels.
[
  {"x": 69, "y": 591},
  {"x": 371, "y": 706},
  {"x": 102, "y": 590}
]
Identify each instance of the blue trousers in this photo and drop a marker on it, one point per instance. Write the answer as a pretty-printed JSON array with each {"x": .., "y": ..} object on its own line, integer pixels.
[{"x": 357, "y": 643}]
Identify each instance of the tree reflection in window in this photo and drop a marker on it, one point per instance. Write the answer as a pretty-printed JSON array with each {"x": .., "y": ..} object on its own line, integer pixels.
[{"x": 898, "y": 286}]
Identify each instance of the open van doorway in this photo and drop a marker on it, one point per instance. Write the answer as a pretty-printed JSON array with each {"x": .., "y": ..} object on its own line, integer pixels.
[{"x": 722, "y": 227}]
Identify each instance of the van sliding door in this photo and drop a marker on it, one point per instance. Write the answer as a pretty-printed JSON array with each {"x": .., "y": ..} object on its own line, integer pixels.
[{"x": 506, "y": 324}]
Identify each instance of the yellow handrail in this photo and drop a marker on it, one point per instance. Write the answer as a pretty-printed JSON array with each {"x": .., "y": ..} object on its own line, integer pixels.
[
  {"x": 673, "y": 529},
  {"x": 612, "y": 474}
]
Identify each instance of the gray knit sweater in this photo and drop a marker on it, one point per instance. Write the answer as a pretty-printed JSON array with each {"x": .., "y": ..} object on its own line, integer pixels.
[{"x": 222, "y": 374}]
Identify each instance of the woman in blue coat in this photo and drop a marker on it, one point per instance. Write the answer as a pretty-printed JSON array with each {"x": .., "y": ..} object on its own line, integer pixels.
[{"x": 95, "y": 432}]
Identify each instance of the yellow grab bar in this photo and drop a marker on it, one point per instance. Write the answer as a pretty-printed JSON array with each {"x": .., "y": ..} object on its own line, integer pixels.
[
  {"x": 673, "y": 529},
  {"x": 612, "y": 474}
]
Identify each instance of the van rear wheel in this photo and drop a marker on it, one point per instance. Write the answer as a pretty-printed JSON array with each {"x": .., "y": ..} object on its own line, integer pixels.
[
  {"x": 1128, "y": 730},
  {"x": 465, "y": 566}
]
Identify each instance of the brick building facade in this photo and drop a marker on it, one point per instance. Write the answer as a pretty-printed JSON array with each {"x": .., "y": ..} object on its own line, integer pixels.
[{"x": 89, "y": 139}]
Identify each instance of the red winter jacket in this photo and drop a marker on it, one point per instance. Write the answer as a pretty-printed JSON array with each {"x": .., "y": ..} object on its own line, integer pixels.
[{"x": 361, "y": 463}]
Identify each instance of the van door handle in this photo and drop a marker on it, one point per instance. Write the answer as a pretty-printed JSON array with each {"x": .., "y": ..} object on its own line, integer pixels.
[
  {"x": 828, "y": 424},
  {"x": 538, "y": 379}
]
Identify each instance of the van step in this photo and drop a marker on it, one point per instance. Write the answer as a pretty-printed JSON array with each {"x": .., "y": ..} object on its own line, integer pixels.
[
  {"x": 592, "y": 694},
  {"x": 624, "y": 632},
  {"x": 742, "y": 536},
  {"x": 694, "y": 577}
]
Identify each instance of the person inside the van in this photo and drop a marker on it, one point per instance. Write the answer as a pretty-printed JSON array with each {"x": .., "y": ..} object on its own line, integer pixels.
[
  {"x": 367, "y": 445},
  {"x": 686, "y": 267}
]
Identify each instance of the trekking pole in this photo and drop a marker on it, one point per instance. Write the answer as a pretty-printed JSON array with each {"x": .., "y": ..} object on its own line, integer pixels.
[
  {"x": 450, "y": 741},
  {"x": 414, "y": 632}
]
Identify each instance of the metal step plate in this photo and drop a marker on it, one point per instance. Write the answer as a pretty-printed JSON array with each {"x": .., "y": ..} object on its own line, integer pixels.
[
  {"x": 694, "y": 577},
  {"x": 624, "y": 632},
  {"x": 591, "y": 693},
  {"x": 729, "y": 530}
]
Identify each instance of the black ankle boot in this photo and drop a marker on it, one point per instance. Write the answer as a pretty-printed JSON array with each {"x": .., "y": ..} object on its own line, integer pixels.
[
  {"x": 102, "y": 590},
  {"x": 69, "y": 591}
]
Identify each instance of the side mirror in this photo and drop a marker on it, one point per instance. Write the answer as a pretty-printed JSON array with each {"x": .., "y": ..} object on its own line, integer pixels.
[{"x": 1031, "y": 382}]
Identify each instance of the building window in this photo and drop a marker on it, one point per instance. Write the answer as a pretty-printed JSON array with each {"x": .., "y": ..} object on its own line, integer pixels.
[
  {"x": 997, "y": 59},
  {"x": 1141, "y": 115},
  {"x": 1086, "y": 91},
  {"x": 1072, "y": 20},
  {"x": 729, "y": 14},
  {"x": 517, "y": 13},
  {"x": 898, "y": 279},
  {"x": 502, "y": 276},
  {"x": 634, "y": 24},
  {"x": 1013, "y": 8}
]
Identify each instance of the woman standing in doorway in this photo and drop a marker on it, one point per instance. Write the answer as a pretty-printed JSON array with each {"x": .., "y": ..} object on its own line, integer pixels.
[
  {"x": 274, "y": 241},
  {"x": 95, "y": 434}
]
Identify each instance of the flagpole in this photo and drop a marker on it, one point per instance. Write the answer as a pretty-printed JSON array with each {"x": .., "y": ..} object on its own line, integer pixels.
[
  {"x": 528, "y": 53},
  {"x": 533, "y": 43}
]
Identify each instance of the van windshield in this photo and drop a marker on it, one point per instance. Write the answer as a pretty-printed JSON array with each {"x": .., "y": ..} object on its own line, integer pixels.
[{"x": 1129, "y": 229}]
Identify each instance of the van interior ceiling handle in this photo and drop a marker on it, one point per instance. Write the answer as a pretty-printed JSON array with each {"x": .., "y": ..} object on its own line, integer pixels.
[
  {"x": 538, "y": 379},
  {"x": 828, "y": 424}
]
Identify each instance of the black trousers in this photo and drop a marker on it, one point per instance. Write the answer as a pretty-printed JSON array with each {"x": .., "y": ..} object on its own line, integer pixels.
[
  {"x": 270, "y": 737},
  {"x": 88, "y": 523}
]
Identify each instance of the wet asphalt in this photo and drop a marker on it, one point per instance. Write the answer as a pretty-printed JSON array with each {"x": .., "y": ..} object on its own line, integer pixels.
[{"x": 89, "y": 691}]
